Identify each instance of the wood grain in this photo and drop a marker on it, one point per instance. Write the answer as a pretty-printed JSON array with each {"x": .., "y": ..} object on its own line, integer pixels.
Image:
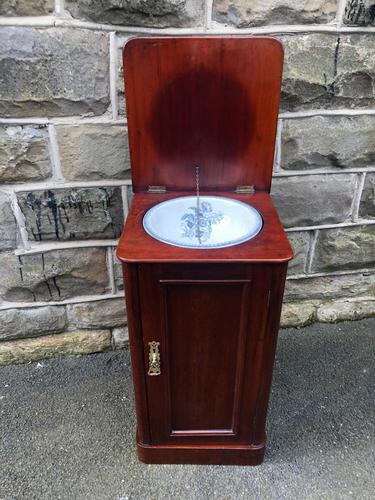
[
  {"x": 207, "y": 101},
  {"x": 211, "y": 101},
  {"x": 270, "y": 245}
]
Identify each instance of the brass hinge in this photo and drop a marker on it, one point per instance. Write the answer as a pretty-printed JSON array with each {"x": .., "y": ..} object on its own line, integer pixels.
[
  {"x": 156, "y": 189},
  {"x": 245, "y": 189}
]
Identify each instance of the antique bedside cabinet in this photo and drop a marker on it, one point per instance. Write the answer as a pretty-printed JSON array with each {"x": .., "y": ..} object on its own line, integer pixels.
[{"x": 203, "y": 294}]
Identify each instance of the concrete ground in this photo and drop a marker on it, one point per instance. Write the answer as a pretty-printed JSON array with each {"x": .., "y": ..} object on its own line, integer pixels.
[{"x": 67, "y": 428}]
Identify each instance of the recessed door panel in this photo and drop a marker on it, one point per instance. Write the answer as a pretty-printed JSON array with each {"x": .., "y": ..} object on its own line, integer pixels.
[{"x": 205, "y": 325}]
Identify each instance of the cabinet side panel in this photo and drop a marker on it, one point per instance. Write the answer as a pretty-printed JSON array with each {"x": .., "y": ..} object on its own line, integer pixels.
[
  {"x": 130, "y": 274},
  {"x": 203, "y": 323},
  {"x": 268, "y": 348}
]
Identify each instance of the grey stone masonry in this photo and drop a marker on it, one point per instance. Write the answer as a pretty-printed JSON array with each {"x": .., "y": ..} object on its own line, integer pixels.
[
  {"x": 77, "y": 342},
  {"x": 65, "y": 163},
  {"x": 98, "y": 314},
  {"x": 297, "y": 314},
  {"x": 53, "y": 72},
  {"x": 26, "y": 7},
  {"x": 24, "y": 154},
  {"x": 367, "y": 205},
  {"x": 153, "y": 13},
  {"x": 244, "y": 13},
  {"x": 347, "y": 142},
  {"x": 355, "y": 81},
  {"x": 8, "y": 228},
  {"x": 330, "y": 287},
  {"x": 117, "y": 272},
  {"x": 345, "y": 310},
  {"x": 90, "y": 152},
  {"x": 345, "y": 248},
  {"x": 359, "y": 13},
  {"x": 328, "y": 71},
  {"x": 53, "y": 276},
  {"x": 32, "y": 322},
  {"x": 120, "y": 337},
  {"x": 69, "y": 214},
  {"x": 310, "y": 200},
  {"x": 300, "y": 243}
]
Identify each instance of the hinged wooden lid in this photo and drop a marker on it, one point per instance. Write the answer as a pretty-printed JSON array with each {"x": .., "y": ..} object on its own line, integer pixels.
[{"x": 207, "y": 101}]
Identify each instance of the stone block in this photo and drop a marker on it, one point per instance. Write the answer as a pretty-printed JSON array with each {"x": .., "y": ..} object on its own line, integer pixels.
[
  {"x": 367, "y": 204},
  {"x": 23, "y": 154},
  {"x": 297, "y": 314},
  {"x": 328, "y": 142},
  {"x": 150, "y": 13},
  {"x": 328, "y": 71},
  {"x": 355, "y": 81},
  {"x": 109, "y": 313},
  {"x": 245, "y": 13},
  {"x": 308, "y": 71},
  {"x": 8, "y": 228},
  {"x": 300, "y": 242},
  {"x": 32, "y": 322},
  {"x": 73, "y": 343},
  {"x": 345, "y": 248},
  {"x": 314, "y": 199},
  {"x": 66, "y": 214},
  {"x": 90, "y": 152},
  {"x": 324, "y": 288},
  {"x": 359, "y": 13},
  {"x": 120, "y": 337},
  {"x": 346, "y": 310},
  {"x": 53, "y": 72},
  {"x": 53, "y": 276},
  {"x": 26, "y": 8}
]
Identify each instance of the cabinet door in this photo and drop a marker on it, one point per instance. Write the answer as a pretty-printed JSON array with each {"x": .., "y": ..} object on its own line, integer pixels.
[{"x": 209, "y": 322}]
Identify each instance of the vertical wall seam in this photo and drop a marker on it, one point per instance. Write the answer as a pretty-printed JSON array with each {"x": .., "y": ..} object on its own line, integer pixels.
[
  {"x": 20, "y": 220},
  {"x": 110, "y": 270},
  {"x": 340, "y": 13},
  {"x": 113, "y": 74},
  {"x": 311, "y": 251},
  {"x": 125, "y": 201},
  {"x": 357, "y": 196},
  {"x": 54, "y": 154},
  {"x": 59, "y": 7},
  {"x": 277, "y": 158},
  {"x": 208, "y": 14}
]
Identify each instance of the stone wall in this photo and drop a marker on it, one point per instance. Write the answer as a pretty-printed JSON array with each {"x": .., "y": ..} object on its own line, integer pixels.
[{"x": 64, "y": 163}]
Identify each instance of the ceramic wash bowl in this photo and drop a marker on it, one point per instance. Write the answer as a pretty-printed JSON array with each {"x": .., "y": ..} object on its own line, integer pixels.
[{"x": 204, "y": 222}]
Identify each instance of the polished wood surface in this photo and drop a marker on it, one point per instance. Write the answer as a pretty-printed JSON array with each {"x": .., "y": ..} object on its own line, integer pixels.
[
  {"x": 203, "y": 100},
  {"x": 217, "y": 327},
  {"x": 270, "y": 245},
  {"x": 211, "y": 101},
  {"x": 211, "y": 454}
]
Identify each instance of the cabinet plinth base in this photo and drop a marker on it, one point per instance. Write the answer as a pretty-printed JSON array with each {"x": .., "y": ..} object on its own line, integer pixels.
[{"x": 209, "y": 455}]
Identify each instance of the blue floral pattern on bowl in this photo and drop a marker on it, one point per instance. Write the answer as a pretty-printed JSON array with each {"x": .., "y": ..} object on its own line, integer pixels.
[
  {"x": 205, "y": 218},
  {"x": 223, "y": 222}
]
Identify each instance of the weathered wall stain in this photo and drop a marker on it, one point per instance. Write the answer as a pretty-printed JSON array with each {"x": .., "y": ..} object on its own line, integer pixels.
[
  {"x": 331, "y": 86},
  {"x": 54, "y": 275},
  {"x": 73, "y": 214},
  {"x": 360, "y": 13},
  {"x": 63, "y": 71}
]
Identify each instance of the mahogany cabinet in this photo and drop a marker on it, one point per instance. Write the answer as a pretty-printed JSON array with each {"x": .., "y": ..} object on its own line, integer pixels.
[
  {"x": 203, "y": 323},
  {"x": 216, "y": 327}
]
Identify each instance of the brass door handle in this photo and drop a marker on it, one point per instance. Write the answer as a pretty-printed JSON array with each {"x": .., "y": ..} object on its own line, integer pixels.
[{"x": 154, "y": 359}]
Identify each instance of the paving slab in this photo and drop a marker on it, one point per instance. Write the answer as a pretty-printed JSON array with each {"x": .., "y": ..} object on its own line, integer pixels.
[{"x": 67, "y": 428}]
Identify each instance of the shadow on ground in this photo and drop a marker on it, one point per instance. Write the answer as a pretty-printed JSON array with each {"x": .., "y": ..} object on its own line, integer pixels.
[{"x": 67, "y": 428}]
